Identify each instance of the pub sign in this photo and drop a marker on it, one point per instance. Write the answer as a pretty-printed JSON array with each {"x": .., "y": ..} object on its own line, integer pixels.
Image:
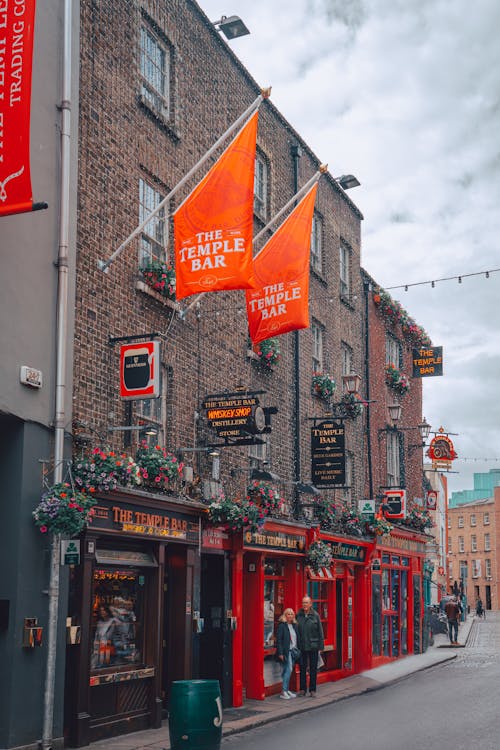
[
  {"x": 427, "y": 361},
  {"x": 395, "y": 502},
  {"x": 236, "y": 417},
  {"x": 328, "y": 454},
  {"x": 140, "y": 370}
]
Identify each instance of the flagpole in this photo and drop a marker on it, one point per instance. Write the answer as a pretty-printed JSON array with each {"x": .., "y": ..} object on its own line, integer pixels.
[
  {"x": 265, "y": 94},
  {"x": 322, "y": 170}
]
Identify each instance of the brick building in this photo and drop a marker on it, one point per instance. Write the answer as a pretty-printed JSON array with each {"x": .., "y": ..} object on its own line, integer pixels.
[{"x": 473, "y": 549}]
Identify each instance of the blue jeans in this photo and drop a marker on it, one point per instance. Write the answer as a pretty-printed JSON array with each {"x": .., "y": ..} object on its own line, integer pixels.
[
  {"x": 453, "y": 626},
  {"x": 287, "y": 671}
]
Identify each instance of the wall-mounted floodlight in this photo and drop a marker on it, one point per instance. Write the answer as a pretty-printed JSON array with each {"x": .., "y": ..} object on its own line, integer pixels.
[{"x": 231, "y": 26}]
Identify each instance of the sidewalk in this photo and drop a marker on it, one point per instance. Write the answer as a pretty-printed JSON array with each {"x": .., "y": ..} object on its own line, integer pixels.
[{"x": 257, "y": 713}]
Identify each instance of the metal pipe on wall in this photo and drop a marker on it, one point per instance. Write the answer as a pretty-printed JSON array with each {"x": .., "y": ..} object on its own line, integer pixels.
[
  {"x": 296, "y": 154},
  {"x": 61, "y": 365}
]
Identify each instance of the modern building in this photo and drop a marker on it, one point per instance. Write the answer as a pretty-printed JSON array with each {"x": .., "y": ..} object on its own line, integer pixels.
[{"x": 484, "y": 484}]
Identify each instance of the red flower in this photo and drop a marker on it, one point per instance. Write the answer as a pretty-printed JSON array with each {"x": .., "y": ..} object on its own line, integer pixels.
[{"x": 43, "y": 529}]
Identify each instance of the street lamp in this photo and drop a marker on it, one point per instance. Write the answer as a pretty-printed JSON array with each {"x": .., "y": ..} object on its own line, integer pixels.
[
  {"x": 424, "y": 428},
  {"x": 347, "y": 181},
  {"x": 231, "y": 26},
  {"x": 394, "y": 413},
  {"x": 345, "y": 409},
  {"x": 351, "y": 382}
]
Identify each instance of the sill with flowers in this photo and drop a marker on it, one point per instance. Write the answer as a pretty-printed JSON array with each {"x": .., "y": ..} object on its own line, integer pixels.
[
  {"x": 158, "y": 281},
  {"x": 396, "y": 379}
]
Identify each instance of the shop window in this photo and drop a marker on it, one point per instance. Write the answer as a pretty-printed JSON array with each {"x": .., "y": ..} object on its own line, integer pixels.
[
  {"x": 376, "y": 615},
  {"x": 394, "y": 610},
  {"x": 322, "y": 593},
  {"x": 117, "y": 618},
  {"x": 274, "y": 598},
  {"x": 152, "y": 241}
]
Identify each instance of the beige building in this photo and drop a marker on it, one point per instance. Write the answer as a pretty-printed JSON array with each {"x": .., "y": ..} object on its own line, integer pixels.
[{"x": 473, "y": 549}]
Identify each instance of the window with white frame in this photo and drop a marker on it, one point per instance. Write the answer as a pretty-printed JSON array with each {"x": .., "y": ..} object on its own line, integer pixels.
[
  {"x": 449, "y": 545},
  {"x": 486, "y": 519},
  {"x": 259, "y": 453},
  {"x": 152, "y": 242},
  {"x": 461, "y": 546},
  {"x": 476, "y": 568},
  {"x": 260, "y": 187},
  {"x": 487, "y": 543},
  {"x": 346, "y": 355},
  {"x": 449, "y": 523},
  {"x": 460, "y": 522},
  {"x": 393, "y": 351},
  {"x": 393, "y": 458},
  {"x": 487, "y": 568},
  {"x": 463, "y": 570},
  {"x": 473, "y": 542},
  {"x": 345, "y": 259},
  {"x": 473, "y": 519},
  {"x": 450, "y": 569},
  {"x": 155, "y": 71},
  {"x": 317, "y": 244},
  {"x": 317, "y": 332},
  {"x": 149, "y": 412}
]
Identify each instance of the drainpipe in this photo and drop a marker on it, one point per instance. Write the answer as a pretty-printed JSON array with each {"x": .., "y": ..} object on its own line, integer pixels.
[
  {"x": 367, "y": 289},
  {"x": 60, "y": 385},
  {"x": 296, "y": 154}
]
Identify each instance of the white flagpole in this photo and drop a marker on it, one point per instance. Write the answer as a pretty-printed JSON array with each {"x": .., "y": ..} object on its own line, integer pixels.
[
  {"x": 322, "y": 170},
  {"x": 105, "y": 264}
]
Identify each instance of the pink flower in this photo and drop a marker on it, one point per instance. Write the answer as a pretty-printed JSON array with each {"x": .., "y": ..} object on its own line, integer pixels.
[{"x": 43, "y": 529}]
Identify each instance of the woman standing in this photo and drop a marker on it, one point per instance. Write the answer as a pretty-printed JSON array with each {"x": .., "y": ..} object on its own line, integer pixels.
[{"x": 287, "y": 642}]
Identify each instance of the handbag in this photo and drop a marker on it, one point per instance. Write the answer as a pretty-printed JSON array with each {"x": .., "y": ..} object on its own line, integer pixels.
[{"x": 296, "y": 653}]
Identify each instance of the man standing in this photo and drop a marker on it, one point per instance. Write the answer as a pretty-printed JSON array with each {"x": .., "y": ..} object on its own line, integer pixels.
[
  {"x": 311, "y": 642},
  {"x": 452, "y": 609}
]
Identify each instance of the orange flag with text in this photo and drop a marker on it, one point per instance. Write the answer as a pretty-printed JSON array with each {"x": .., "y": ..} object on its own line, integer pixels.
[
  {"x": 281, "y": 300},
  {"x": 213, "y": 227}
]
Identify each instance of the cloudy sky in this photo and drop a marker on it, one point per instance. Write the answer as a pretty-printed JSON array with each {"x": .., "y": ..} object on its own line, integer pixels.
[{"x": 405, "y": 94}]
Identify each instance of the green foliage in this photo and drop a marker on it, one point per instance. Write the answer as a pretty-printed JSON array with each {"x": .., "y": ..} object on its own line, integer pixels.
[{"x": 63, "y": 510}]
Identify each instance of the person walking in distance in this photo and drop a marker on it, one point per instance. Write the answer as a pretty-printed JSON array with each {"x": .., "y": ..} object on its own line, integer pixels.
[
  {"x": 452, "y": 610},
  {"x": 311, "y": 641},
  {"x": 287, "y": 649}
]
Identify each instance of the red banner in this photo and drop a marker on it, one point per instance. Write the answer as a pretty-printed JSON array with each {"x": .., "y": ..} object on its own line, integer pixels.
[
  {"x": 280, "y": 303},
  {"x": 213, "y": 227},
  {"x": 17, "y": 20}
]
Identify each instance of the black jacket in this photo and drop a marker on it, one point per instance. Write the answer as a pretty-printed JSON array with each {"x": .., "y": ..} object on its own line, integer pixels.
[
  {"x": 310, "y": 631},
  {"x": 283, "y": 639}
]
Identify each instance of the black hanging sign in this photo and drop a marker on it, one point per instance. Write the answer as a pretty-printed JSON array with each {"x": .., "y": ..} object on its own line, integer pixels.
[
  {"x": 427, "y": 361},
  {"x": 236, "y": 417},
  {"x": 328, "y": 454}
]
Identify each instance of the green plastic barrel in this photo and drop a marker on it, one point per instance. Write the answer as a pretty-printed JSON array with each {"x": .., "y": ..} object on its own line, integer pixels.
[{"x": 195, "y": 715}]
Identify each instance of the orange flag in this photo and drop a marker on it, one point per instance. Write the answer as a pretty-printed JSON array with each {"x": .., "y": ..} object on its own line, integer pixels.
[
  {"x": 280, "y": 302},
  {"x": 213, "y": 227}
]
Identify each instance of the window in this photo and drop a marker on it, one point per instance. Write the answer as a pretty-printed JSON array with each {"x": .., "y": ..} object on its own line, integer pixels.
[
  {"x": 473, "y": 519},
  {"x": 461, "y": 547},
  {"x": 117, "y": 617},
  {"x": 345, "y": 285},
  {"x": 153, "y": 235},
  {"x": 346, "y": 354},
  {"x": 473, "y": 543},
  {"x": 393, "y": 458},
  {"x": 317, "y": 244},
  {"x": 317, "y": 331},
  {"x": 322, "y": 594},
  {"x": 487, "y": 568},
  {"x": 155, "y": 71},
  {"x": 487, "y": 543},
  {"x": 460, "y": 522},
  {"x": 260, "y": 187},
  {"x": 476, "y": 568},
  {"x": 486, "y": 519},
  {"x": 463, "y": 571},
  {"x": 393, "y": 352},
  {"x": 449, "y": 545},
  {"x": 449, "y": 523},
  {"x": 259, "y": 453},
  {"x": 450, "y": 569}
]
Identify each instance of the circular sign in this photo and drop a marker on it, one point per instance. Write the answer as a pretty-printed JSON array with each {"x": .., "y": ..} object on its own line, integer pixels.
[{"x": 259, "y": 419}]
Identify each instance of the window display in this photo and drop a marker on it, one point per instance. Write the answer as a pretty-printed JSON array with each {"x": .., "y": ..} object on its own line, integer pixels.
[{"x": 117, "y": 618}]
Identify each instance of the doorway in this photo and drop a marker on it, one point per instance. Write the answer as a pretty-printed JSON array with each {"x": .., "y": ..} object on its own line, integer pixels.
[{"x": 216, "y": 636}]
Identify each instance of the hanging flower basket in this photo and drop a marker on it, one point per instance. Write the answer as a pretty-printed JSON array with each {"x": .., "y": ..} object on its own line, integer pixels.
[
  {"x": 338, "y": 516},
  {"x": 397, "y": 380},
  {"x": 268, "y": 353},
  {"x": 158, "y": 468},
  {"x": 235, "y": 515},
  {"x": 160, "y": 276},
  {"x": 319, "y": 555},
  {"x": 63, "y": 510},
  {"x": 352, "y": 405},
  {"x": 323, "y": 385},
  {"x": 379, "y": 527},
  {"x": 418, "y": 519},
  {"x": 103, "y": 471},
  {"x": 265, "y": 496}
]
